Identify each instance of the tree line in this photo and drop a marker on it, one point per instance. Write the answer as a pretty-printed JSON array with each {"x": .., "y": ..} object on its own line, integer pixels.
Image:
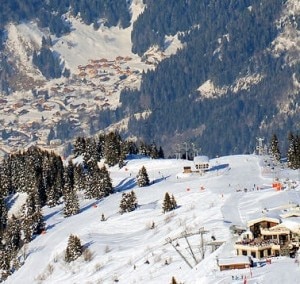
[{"x": 293, "y": 152}]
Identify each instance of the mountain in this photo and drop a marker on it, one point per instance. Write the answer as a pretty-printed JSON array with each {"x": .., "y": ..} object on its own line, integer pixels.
[
  {"x": 209, "y": 75},
  {"x": 136, "y": 247}
]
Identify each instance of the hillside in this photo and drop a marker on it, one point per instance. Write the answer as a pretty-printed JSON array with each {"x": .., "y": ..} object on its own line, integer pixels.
[
  {"x": 190, "y": 72},
  {"x": 128, "y": 248}
]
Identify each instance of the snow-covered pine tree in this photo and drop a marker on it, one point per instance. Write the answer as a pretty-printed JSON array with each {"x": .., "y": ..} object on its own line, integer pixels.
[
  {"x": 79, "y": 146},
  {"x": 69, "y": 170},
  {"x": 12, "y": 235},
  {"x": 142, "y": 177},
  {"x": 100, "y": 145},
  {"x": 291, "y": 154},
  {"x": 274, "y": 148},
  {"x": 123, "y": 153},
  {"x": 128, "y": 202},
  {"x": 93, "y": 181},
  {"x": 32, "y": 217},
  {"x": 5, "y": 260},
  {"x": 112, "y": 148},
  {"x": 144, "y": 149},
  {"x": 71, "y": 202},
  {"x": 90, "y": 150},
  {"x": 74, "y": 248},
  {"x": 79, "y": 178},
  {"x": 105, "y": 182},
  {"x": 58, "y": 172},
  {"x": 5, "y": 176},
  {"x": 3, "y": 215}
]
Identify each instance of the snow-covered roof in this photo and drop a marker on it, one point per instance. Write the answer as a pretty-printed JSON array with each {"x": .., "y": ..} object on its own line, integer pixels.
[
  {"x": 201, "y": 159},
  {"x": 292, "y": 224},
  {"x": 240, "y": 259},
  {"x": 293, "y": 212},
  {"x": 261, "y": 219}
]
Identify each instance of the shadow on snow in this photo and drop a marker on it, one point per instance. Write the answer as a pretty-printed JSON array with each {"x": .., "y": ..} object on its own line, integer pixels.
[{"x": 127, "y": 183}]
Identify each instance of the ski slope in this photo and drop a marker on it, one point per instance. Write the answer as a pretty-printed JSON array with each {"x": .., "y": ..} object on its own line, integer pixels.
[{"x": 125, "y": 249}]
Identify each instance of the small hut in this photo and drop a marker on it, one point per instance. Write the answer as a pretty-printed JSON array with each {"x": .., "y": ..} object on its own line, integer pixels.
[{"x": 235, "y": 262}]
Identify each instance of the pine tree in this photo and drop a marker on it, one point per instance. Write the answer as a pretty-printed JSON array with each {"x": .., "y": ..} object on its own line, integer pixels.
[
  {"x": 6, "y": 177},
  {"x": 169, "y": 203},
  {"x": 70, "y": 197},
  {"x": 173, "y": 203},
  {"x": 79, "y": 178},
  {"x": 274, "y": 148},
  {"x": 93, "y": 181},
  {"x": 79, "y": 146},
  {"x": 112, "y": 148},
  {"x": 292, "y": 152},
  {"x": 5, "y": 259},
  {"x": 3, "y": 215},
  {"x": 161, "y": 154},
  {"x": 74, "y": 249},
  {"x": 32, "y": 217},
  {"x": 142, "y": 177},
  {"x": 12, "y": 235},
  {"x": 166, "y": 203},
  {"x": 154, "y": 154},
  {"x": 128, "y": 202},
  {"x": 105, "y": 182}
]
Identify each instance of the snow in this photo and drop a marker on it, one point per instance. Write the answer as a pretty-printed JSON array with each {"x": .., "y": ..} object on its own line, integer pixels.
[
  {"x": 209, "y": 90},
  {"x": 126, "y": 249},
  {"x": 288, "y": 40}
]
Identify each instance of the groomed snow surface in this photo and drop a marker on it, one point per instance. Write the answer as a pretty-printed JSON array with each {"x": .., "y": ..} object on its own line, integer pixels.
[{"x": 126, "y": 249}]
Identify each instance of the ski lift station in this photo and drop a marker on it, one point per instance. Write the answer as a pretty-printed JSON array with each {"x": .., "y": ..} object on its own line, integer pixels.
[{"x": 201, "y": 163}]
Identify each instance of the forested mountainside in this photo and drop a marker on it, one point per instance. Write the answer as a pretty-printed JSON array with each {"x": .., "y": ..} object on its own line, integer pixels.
[
  {"x": 225, "y": 43},
  {"x": 236, "y": 76}
]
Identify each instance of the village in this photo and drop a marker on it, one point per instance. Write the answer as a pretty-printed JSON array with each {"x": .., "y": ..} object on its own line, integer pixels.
[{"x": 27, "y": 116}]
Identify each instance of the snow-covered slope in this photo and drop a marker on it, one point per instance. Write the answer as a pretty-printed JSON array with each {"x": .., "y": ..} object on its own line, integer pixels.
[{"x": 134, "y": 247}]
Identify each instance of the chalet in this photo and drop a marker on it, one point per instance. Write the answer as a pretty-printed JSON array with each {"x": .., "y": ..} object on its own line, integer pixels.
[
  {"x": 255, "y": 225},
  {"x": 267, "y": 237},
  {"x": 236, "y": 262}
]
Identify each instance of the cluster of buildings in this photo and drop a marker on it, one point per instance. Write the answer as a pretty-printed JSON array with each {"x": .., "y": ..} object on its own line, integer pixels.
[{"x": 266, "y": 237}]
